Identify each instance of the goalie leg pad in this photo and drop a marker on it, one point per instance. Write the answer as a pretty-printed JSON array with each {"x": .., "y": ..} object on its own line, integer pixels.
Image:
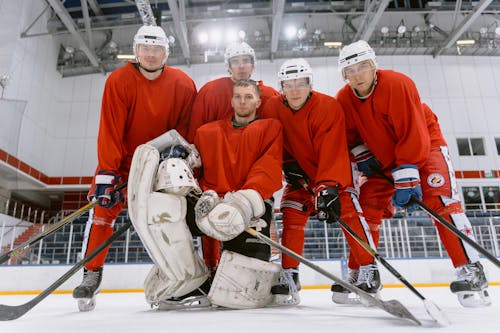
[
  {"x": 170, "y": 245},
  {"x": 242, "y": 282},
  {"x": 159, "y": 219}
]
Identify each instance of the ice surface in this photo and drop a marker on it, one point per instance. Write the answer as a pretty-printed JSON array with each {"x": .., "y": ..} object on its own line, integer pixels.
[{"x": 128, "y": 312}]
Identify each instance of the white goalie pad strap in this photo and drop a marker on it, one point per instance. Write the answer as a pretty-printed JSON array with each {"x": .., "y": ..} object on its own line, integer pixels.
[
  {"x": 242, "y": 282},
  {"x": 172, "y": 138},
  {"x": 175, "y": 176}
]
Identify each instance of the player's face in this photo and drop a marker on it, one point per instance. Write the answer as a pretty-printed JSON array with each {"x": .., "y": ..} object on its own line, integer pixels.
[
  {"x": 245, "y": 101},
  {"x": 296, "y": 92},
  {"x": 361, "y": 76},
  {"x": 151, "y": 56},
  {"x": 241, "y": 67}
]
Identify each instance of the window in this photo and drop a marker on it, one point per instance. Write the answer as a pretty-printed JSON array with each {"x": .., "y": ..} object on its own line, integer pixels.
[
  {"x": 470, "y": 147},
  {"x": 497, "y": 142},
  {"x": 491, "y": 197},
  {"x": 472, "y": 197}
]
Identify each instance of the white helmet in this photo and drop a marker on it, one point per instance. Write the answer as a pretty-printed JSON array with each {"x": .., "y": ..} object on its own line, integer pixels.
[
  {"x": 295, "y": 69},
  {"x": 238, "y": 49},
  {"x": 356, "y": 52},
  {"x": 150, "y": 35}
]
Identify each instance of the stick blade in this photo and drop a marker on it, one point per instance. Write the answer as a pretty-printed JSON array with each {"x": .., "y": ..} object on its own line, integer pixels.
[
  {"x": 436, "y": 313},
  {"x": 397, "y": 309},
  {"x": 9, "y": 312}
]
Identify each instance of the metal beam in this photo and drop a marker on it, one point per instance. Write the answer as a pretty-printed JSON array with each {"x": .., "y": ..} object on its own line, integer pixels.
[
  {"x": 462, "y": 27},
  {"x": 95, "y": 7},
  {"x": 86, "y": 22},
  {"x": 179, "y": 18},
  {"x": 71, "y": 26},
  {"x": 371, "y": 20},
  {"x": 144, "y": 8},
  {"x": 278, "y": 10}
]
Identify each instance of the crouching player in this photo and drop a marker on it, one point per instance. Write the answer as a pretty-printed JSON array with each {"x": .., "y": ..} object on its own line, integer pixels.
[{"x": 241, "y": 169}]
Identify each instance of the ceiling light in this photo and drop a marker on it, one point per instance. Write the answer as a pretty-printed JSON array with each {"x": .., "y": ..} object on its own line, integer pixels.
[
  {"x": 401, "y": 27},
  {"x": 464, "y": 42},
  {"x": 203, "y": 37},
  {"x": 242, "y": 34},
  {"x": 301, "y": 33},
  {"x": 125, "y": 56},
  {"x": 333, "y": 45},
  {"x": 497, "y": 31},
  {"x": 483, "y": 30},
  {"x": 290, "y": 32},
  {"x": 384, "y": 30}
]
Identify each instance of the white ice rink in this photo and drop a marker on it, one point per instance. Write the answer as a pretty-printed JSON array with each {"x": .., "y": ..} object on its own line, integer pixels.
[{"x": 128, "y": 313}]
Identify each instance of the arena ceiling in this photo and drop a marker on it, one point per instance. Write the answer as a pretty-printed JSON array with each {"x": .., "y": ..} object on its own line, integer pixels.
[{"x": 93, "y": 32}]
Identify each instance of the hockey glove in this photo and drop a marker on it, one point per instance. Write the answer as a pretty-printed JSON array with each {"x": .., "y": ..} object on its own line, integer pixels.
[
  {"x": 294, "y": 175},
  {"x": 407, "y": 184},
  {"x": 104, "y": 191},
  {"x": 367, "y": 162},
  {"x": 328, "y": 203}
]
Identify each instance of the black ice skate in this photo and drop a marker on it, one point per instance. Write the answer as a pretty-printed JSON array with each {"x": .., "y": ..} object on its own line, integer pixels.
[
  {"x": 198, "y": 298},
  {"x": 86, "y": 291},
  {"x": 286, "y": 292},
  {"x": 340, "y": 295},
  {"x": 471, "y": 286}
]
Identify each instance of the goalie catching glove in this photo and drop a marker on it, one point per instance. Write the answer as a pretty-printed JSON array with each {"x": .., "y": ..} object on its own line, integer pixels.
[
  {"x": 328, "y": 203},
  {"x": 104, "y": 190},
  {"x": 227, "y": 218}
]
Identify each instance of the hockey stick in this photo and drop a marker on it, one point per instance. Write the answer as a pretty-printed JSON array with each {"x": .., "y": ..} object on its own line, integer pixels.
[
  {"x": 447, "y": 225},
  {"x": 9, "y": 312},
  {"x": 20, "y": 248},
  {"x": 393, "y": 307},
  {"x": 432, "y": 309}
]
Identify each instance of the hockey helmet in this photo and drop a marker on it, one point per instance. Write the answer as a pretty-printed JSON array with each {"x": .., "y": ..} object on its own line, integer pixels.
[
  {"x": 356, "y": 52},
  {"x": 295, "y": 69},
  {"x": 238, "y": 49},
  {"x": 150, "y": 35}
]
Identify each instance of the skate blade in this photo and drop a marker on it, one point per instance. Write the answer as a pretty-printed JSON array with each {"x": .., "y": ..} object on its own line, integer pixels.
[
  {"x": 194, "y": 302},
  {"x": 346, "y": 298},
  {"x": 284, "y": 300},
  {"x": 86, "y": 304},
  {"x": 474, "y": 299},
  {"x": 352, "y": 299}
]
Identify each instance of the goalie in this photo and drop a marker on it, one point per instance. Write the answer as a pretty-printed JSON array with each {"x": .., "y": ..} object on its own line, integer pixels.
[{"x": 241, "y": 169}]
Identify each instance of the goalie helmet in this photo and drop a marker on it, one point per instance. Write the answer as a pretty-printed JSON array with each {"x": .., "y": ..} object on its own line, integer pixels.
[
  {"x": 356, "y": 52},
  {"x": 295, "y": 69},
  {"x": 238, "y": 49},
  {"x": 150, "y": 35}
]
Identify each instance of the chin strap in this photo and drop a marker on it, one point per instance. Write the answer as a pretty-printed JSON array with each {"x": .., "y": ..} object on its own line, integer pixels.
[{"x": 138, "y": 65}]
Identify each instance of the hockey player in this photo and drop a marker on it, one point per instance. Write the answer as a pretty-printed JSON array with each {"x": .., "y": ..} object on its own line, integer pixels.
[
  {"x": 390, "y": 131},
  {"x": 316, "y": 160},
  {"x": 241, "y": 167},
  {"x": 140, "y": 101},
  {"x": 213, "y": 102}
]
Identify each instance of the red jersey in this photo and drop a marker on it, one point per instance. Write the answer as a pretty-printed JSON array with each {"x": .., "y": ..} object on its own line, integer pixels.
[
  {"x": 213, "y": 102},
  {"x": 390, "y": 122},
  {"x": 248, "y": 157},
  {"x": 135, "y": 110},
  {"x": 435, "y": 133},
  {"x": 315, "y": 137}
]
